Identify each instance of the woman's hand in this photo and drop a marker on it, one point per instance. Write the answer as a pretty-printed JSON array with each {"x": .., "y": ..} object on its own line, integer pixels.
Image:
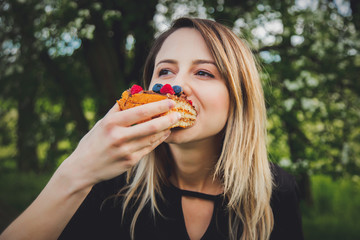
[
  {"x": 115, "y": 144},
  {"x": 111, "y": 147}
]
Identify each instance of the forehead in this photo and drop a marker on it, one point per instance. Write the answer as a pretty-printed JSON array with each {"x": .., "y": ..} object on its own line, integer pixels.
[{"x": 184, "y": 43}]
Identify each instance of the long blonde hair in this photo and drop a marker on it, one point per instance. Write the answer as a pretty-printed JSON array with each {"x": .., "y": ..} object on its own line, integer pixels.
[{"x": 243, "y": 166}]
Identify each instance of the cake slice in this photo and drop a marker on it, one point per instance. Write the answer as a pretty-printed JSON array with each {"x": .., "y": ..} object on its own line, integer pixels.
[{"x": 136, "y": 96}]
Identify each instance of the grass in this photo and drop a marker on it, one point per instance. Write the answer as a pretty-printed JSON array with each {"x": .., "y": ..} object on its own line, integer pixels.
[
  {"x": 17, "y": 191},
  {"x": 335, "y": 213}
]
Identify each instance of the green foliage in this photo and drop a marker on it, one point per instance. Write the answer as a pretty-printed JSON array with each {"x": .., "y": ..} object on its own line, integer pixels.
[
  {"x": 21, "y": 189},
  {"x": 62, "y": 66},
  {"x": 334, "y": 214},
  {"x": 18, "y": 190}
]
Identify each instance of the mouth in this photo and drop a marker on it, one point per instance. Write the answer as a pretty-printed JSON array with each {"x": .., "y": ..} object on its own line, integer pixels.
[{"x": 176, "y": 129}]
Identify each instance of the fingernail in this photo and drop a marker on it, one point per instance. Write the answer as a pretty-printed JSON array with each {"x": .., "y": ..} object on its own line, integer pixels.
[{"x": 178, "y": 116}]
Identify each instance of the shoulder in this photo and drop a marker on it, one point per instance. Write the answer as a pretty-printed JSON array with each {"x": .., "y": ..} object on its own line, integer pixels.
[
  {"x": 109, "y": 187},
  {"x": 285, "y": 191},
  {"x": 99, "y": 194},
  {"x": 285, "y": 206},
  {"x": 283, "y": 181},
  {"x": 92, "y": 218}
]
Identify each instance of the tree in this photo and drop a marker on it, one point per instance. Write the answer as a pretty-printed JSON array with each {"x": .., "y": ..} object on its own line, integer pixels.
[{"x": 58, "y": 57}]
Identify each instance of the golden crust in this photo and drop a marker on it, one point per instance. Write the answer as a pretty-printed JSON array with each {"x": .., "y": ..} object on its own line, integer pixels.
[
  {"x": 138, "y": 99},
  {"x": 187, "y": 111}
]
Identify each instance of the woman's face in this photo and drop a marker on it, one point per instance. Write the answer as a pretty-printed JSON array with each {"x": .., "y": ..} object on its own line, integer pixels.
[{"x": 185, "y": 60}]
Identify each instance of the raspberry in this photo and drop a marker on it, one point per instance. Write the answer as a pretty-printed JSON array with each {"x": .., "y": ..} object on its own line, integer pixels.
[
  {"x": 156, "y": 88},
  {"x": 177, "y": 89},
  {"x": 167, "y": 89},
  {"x": 135, "y": 89}
]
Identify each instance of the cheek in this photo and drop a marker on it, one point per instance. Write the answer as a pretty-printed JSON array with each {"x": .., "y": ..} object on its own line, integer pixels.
[
  {"x": 222, "y": 108},
  {"x": 152, "y": 83},
  {"x": 218, "y": 106},
  {"x": 220, "y": 100}
]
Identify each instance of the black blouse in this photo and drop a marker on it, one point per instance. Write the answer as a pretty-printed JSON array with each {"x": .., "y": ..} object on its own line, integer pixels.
[{"x": 100, "y": 219}]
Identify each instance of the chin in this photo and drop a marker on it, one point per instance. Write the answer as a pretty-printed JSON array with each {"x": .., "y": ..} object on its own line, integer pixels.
[{"x": 181, "y": 135}]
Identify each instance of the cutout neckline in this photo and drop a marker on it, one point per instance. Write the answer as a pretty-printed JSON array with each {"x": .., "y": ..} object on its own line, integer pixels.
[{"x": 195, "y": 194}]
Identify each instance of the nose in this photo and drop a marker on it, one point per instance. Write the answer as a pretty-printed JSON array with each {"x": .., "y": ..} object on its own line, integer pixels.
[{"x": 184, "y": 82}]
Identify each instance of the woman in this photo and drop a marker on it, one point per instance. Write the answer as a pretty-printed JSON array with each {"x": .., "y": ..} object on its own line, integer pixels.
[{"x": 210, "y": 181}]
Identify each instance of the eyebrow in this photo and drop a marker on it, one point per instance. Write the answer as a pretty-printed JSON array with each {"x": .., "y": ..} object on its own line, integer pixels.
[
  {"x": 166, "y": 61},
  {"x": 201, "y": 61},
  {"x": 195, "y": 62}
]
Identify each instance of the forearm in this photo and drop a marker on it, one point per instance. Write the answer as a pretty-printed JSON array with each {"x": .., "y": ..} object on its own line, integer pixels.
[
  {"x": 111, "y": 147},
  {"x": 48, "y": 215}
]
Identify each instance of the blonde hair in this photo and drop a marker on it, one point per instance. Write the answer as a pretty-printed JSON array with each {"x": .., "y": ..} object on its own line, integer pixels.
[{"x": 243, "y": 166}]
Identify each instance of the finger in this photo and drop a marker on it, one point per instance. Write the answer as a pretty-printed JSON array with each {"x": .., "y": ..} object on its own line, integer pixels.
[
  {"x": 154, "y": 126},
  {"x": 137, "y": 114},
  {"x": 145, "y": 142},
  {"x": 136, "y": 156},
  {"x": 149, "y": 149}
]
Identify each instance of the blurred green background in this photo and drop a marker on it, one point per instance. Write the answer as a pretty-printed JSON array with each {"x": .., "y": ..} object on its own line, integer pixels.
[{"x": 64, "y": 63}]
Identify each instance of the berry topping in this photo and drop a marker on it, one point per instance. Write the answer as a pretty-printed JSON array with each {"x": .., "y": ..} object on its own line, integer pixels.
[
  {"x": 177, "y": 89},
  {"x": 135, "y": 89},
  {"x": 190, "y": 101},
  {"x": 156, "y": 88},
  {"x": 167, "y": 89}
]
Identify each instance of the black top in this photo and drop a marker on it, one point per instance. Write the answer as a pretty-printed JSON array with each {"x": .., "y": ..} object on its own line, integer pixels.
[{"x": 99, "y": 219}]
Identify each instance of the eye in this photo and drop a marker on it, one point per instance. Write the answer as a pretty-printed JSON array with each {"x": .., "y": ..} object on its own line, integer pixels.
[
  {"x": 164, "y": 72},
  {"x": 205, "y": 74}
]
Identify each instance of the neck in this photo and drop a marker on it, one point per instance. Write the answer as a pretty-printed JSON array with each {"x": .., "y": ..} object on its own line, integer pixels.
[{"x": 194, "y": 166}]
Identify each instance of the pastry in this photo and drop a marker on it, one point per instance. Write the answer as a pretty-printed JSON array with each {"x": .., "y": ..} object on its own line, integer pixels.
[{"x": 136, "y": 96}]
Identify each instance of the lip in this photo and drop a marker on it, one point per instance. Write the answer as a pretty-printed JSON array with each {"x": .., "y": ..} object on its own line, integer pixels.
[{"x": 180, "y": 128}]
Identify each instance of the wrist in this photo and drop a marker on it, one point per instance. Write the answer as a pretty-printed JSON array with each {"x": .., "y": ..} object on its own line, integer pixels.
[{"x": 73, "y": 180}]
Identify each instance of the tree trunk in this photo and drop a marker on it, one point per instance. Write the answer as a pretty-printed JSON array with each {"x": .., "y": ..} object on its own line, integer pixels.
[
  {"x": 355, "y": 8},
  {"x": 28, "y": 81},
  {"x": 27, "y": 158},
  {"x": 296, "y": 143},
  {"x": 72, "y": 100}
]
